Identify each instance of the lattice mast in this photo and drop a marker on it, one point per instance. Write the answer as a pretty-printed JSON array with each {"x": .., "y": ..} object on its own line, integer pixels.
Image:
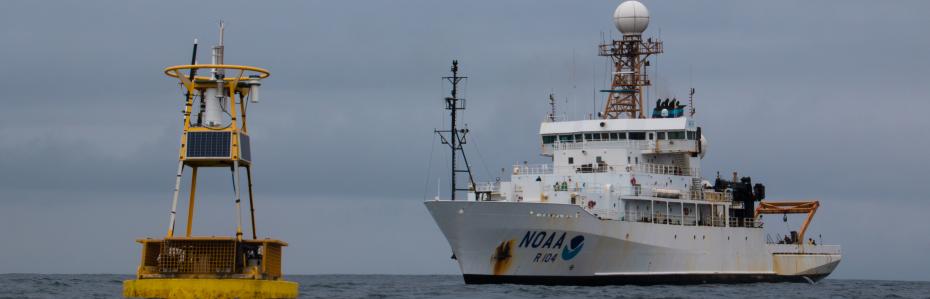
[
  {"x": 456, "y": 138},
  {"x": 629, "y": 55}
]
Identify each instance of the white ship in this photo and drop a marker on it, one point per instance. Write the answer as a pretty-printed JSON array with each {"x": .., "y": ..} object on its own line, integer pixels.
[{"x": 623, "y": 201}]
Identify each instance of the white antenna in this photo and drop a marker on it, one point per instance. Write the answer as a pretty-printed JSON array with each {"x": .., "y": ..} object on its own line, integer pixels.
[
  {"x": 691, "y": 92},
  {"x": 691, "y": 101},
  {"x": 222, "y": 29},
  {"x": 218, "y": 53}
]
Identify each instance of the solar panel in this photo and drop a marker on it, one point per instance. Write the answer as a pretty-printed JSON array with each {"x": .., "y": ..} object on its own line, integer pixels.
[
  {"x": 245, "y": 147},
  {"x": 208, "y": 144}
]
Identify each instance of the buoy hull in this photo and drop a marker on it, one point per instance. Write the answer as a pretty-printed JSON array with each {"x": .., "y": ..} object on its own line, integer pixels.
[{"x": 209, "y": 288}]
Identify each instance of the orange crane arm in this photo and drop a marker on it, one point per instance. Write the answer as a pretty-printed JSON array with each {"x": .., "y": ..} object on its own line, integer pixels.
[{"x": 790, "y": 207}]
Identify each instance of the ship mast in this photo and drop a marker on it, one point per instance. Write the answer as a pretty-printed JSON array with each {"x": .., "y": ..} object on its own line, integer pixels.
[
  {"x": 625, "y": 96},
  {"x": 552, "y": 117},
  {"x": 456, "y": 136}
]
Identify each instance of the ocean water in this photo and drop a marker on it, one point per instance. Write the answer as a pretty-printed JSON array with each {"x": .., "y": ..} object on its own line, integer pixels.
[{"x": 451, "y": 286}]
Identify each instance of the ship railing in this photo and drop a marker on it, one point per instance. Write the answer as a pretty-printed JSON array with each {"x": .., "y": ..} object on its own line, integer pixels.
[
  {"x": 745, "y": 222},
  {"x": 571, "y": 188},
  {"x": 665, "y": 169},
  {"x": 661, "y": 218},
  {"x": 718, "y": 196},
  {"x": 533, "y": 169},
  {"x": 658, "y": 193},
  {"x": 625, "y": 144},
  {"x": 804, "y": 248},
  {"x": 639, "y": 191},
  {"x": 634, "y": 216},
  {"x": 487, "y": 186},
  {"x": 674, "y": 146},
  {"x": 660, "y": 146}
]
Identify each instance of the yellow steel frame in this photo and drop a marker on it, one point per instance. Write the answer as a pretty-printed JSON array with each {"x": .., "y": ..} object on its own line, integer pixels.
[
  {"x": 232, "y": 84},
  {"x": 790, "y": 207},
  {"x": 175, "y": 71},
  {"x": 190, "y": 207}
]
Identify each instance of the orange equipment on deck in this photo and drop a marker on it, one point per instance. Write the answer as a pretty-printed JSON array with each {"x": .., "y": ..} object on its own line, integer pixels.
[{"x": 790, "y": 207}]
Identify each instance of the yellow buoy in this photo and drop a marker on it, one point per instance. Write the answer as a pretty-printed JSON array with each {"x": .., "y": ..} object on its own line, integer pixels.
[{"x": 215, "y": 136}]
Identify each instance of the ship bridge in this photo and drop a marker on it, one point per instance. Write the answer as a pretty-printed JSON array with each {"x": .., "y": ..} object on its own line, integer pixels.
[{"x": 601, "y": 143}]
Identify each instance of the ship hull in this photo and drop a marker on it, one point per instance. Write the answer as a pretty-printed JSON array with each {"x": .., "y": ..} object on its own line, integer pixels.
[
  {"x": 670, "y": 279},
  {"x": 563, "y": 244}
]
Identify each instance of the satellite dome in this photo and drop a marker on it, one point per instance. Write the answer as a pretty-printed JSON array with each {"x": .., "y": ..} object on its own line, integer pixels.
[{"x": 631, "y": 17}]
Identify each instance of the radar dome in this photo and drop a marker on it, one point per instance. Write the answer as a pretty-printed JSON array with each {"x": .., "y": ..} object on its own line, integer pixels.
[{"x": 631, "y": 17}]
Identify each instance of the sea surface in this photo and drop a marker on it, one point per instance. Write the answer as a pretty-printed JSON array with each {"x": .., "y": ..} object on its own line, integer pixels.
[{"x": 451, "y": 286}]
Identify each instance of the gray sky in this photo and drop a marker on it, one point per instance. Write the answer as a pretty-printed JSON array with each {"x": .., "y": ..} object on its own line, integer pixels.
[{"x": 824, "y": 100}]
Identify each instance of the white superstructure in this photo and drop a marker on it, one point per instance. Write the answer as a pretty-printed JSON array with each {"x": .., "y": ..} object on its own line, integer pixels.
[{"x": 623, "y": 201}]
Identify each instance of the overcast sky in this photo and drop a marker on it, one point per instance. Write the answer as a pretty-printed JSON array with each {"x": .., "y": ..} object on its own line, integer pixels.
[{"x": 817, "y": 100}]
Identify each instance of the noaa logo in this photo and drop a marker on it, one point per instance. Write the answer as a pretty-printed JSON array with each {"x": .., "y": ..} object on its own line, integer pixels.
[
  {"x": 549, "y": 244},
  {"x": 573, "y": 248}
]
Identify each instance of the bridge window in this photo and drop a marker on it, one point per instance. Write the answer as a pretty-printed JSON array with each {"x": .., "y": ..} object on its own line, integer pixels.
[
  {"x": 577, "y": 137},
  {"x": 660, "y": 135},
  {"x": 676, "y": 135},
  {"x": 637, "y": 135},
  {"x": 548, "y": 139},
  {"x": 613, "y": 136},
  {"x": 691, "y": 135},
  {"x": 587, "y": 136},
  {"x": 650, "y": 135},
  {"x": 571, "y": 160},
  {"x": 566, "y": 138},
  {"x": 621, "y": 135}
]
